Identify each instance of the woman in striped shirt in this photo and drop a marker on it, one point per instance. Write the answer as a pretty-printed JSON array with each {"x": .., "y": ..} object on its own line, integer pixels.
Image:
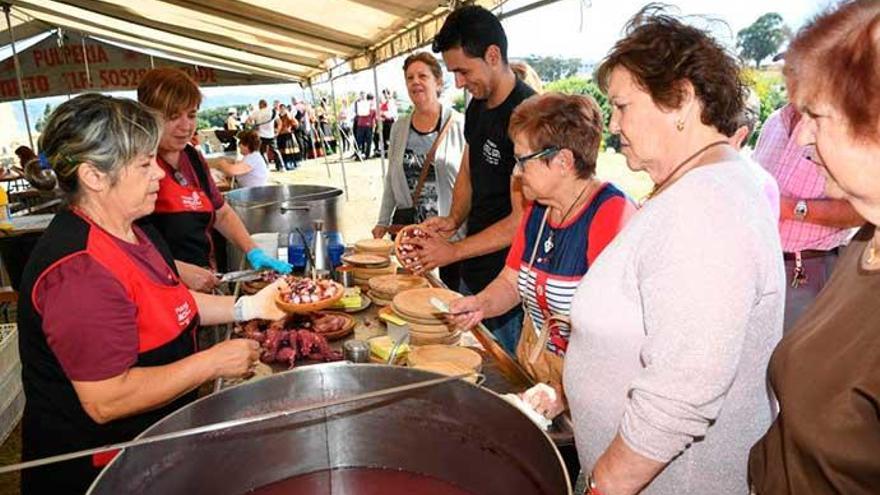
[{"x": 570, "y": 218}]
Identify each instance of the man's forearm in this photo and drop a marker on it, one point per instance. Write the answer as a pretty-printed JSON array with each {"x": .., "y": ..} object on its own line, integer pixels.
[
  {"x": 621, "y": 471},
  {"x": 497, "y": 236},
  {"x": 836, "y": 213}
]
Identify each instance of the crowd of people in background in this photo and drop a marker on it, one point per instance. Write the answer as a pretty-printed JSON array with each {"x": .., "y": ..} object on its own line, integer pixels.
[{"x": 290, "y": 133}]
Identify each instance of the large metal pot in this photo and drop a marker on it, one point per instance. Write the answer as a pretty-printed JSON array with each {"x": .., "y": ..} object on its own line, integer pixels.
[
  {"x": 282, "y": 209},
  {"x": 454, "y": 431}
]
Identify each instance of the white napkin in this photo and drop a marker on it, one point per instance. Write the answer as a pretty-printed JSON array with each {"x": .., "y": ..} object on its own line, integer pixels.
[{"x": 526, "y": 409}]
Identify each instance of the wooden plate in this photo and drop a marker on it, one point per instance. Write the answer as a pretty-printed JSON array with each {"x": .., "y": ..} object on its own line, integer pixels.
[
  {"x": 416, "y": 303},
  {"x": 418, "y": 321},
  {"x": 421, "y": 328},
  {"x": 310, "y": 307},
  {"x": 448, "y": 369},
  {"x": 379, "y": 300},
  {"x": 346, "y": 329},
  {"x": 375, "y": 246},
  {"x": 402, "y": 237},
  {"x": 419, "y": 339},
  {"x": 391, "y": 285},
  {"x": 366, "y": 260},
  {"x": 461, "y": 356},
  {"x": 368, "y": 273}
]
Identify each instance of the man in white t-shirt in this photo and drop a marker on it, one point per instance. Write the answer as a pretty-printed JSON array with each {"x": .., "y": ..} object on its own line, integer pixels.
[{"x": 264, "y": 120}]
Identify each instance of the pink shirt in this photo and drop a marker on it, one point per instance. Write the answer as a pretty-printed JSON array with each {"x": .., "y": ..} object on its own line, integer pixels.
[{"x": 798, "y": 177}]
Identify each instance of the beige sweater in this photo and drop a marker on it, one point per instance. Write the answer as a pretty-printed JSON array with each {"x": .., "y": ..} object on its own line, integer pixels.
[{"x": 673, "y": 327}]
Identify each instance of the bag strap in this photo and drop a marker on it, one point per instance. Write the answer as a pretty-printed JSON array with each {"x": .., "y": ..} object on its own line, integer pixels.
[{"x": 429, "y": 161}]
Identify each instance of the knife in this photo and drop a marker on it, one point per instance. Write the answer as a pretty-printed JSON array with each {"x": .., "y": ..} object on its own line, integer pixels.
[
  {"x": 240, "y": 276},
  {"x": 443, "y": 307}
]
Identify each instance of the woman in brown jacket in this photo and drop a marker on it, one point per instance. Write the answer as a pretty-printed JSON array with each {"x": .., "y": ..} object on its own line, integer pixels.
[{"x": 826, "y": 370}]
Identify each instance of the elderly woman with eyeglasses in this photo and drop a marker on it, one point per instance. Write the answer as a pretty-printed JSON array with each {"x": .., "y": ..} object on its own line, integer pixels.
[{"x": 570, "y": 218}]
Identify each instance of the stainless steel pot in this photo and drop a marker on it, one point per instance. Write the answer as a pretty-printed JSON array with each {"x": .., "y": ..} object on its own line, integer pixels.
[
  {"x": 455, "y": 431},
  {"x": 282, "y": 209}
]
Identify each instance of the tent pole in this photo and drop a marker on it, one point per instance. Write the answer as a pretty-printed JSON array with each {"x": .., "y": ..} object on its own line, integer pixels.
[
  {"x": 318, "y": 134},
  {"x": 152, "y": 64},
  {"x": 379, "y": 118},
  {"x": 86, "y": 60},
  {"x": 338, "y": 135},
  {"x": 27, "y": 120}
]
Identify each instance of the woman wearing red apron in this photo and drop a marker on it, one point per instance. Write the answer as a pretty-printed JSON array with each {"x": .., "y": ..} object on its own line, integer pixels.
[
  {"x": 189, "y": 206},
  {"x": 106, "y": 326}
]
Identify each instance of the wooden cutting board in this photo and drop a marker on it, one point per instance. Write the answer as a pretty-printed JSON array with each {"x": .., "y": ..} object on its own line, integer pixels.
[
  {"x": 416, "y": 303},
  {"x": 448, "y": 369},
  {"x": 375, "y": 246},
  {"x": 388, "y": 286},
  {"x": 442, "y": 329},
  {"x": 461, "y": 356},
  {"x": 367, "y": 273},
  {"x": 423, "y": 339}
]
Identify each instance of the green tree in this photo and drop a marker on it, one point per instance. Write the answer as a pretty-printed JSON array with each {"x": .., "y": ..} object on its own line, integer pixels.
[
  {"x": 576, "y": 85},
  {"x": 554, "y": 68},
  {"x": 763, "y": 38},
  {"x": 42, "y": 119}
]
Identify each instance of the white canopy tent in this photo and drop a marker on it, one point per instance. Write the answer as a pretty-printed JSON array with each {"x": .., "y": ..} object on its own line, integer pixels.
[{"x": 291, "y": 40}]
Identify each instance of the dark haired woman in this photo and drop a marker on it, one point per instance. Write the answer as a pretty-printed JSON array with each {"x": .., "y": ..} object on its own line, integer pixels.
[{"x": 675, "y": 322}]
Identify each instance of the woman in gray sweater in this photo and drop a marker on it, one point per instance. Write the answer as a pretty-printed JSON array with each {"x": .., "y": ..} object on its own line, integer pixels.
[
  {"x": 412, "y": 139},
  {"x": 673, "y": 325}
]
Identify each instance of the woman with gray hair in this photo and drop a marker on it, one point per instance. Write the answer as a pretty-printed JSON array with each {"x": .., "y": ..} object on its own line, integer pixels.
[{"x": 106, "y": 328}]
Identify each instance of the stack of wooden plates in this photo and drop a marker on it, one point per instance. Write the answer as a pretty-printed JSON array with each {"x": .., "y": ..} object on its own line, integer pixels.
[
  {"x": 445, "y": 359},
  {"x": 368, "y": 265},
  {"x": 382, "y": 247},
  {"x": 427, "y": 325},
  {"x": 384, "y": 287}
]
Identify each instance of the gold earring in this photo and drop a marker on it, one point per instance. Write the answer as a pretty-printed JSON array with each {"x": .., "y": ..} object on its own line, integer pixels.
[{"x": 679, "y": 125}]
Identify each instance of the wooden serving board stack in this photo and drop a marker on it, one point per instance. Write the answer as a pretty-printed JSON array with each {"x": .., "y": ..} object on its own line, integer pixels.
[
  {"x": 371, "y": 258},
  {"x": 426, "y": 324},
  {"x": 384, "y": 288}
]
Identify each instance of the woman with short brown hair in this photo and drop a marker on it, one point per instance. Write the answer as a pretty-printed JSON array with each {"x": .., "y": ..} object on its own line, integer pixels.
[
  {"x": 826, "y": 371},
  {"x": 190, "y": 206},
  {"x": 570, "y": 218},
  {"x": 673, "y": 326}
]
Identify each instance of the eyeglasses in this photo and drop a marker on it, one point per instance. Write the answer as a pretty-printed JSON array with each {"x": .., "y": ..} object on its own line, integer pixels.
[{"x": 520, "y": 161}]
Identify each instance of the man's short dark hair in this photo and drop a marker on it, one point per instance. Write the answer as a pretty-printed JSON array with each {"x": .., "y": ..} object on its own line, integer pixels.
[{"x": 473, "y": 29}]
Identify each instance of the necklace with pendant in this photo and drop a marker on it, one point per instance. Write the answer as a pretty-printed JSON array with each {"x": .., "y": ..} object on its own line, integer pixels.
[{"x": 548, "y": 244}]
